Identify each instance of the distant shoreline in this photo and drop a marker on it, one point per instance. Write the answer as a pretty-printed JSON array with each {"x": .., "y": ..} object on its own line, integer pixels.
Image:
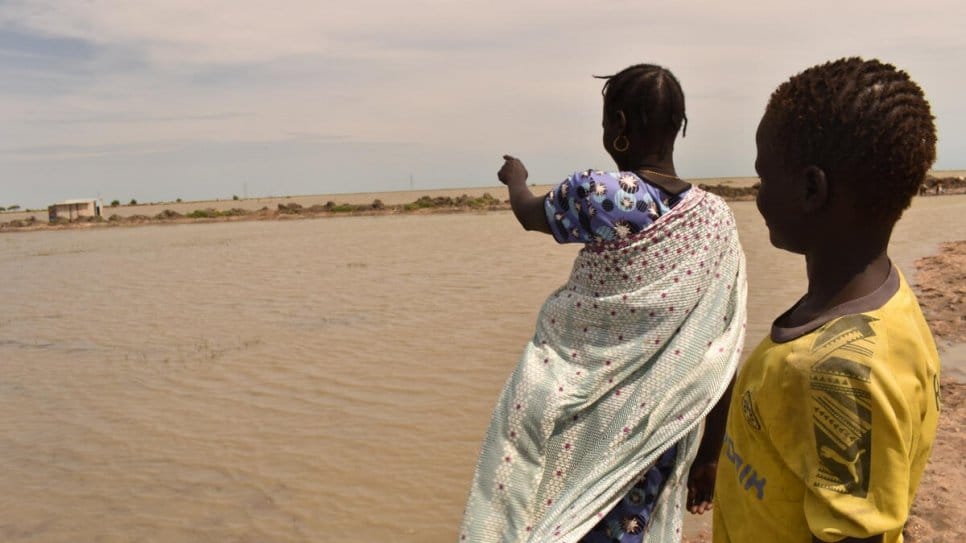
[
  {"x": 352, "y": 205},
  {"x": 311, "y": 207}
]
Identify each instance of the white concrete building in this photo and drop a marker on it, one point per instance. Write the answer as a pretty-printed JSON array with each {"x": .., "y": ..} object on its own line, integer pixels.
[{"x": 72, "y": 210}]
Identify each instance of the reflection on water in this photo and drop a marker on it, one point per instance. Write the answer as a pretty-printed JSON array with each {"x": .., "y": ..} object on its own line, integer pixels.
[{"x": 321, "y": 380}]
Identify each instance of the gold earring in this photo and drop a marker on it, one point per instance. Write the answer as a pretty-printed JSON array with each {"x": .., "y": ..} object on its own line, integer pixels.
[{"x": 617, "y": 147}]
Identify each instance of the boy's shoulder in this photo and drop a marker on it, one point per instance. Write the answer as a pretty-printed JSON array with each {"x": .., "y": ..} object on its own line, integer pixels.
[
  {"x": 861, "y": 374},
  {"x": 891, "y": 336},
  {"x": 888, "y": 347},
  {"x": 889, "y": 314}
]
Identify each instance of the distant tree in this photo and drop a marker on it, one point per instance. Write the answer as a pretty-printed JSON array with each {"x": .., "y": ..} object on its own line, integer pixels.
[
  {"x": 133, "y": 202},
  {"x": 178, "y": 200},
  {"x": 234, "y": 196},
  {"x": 3, "y": 209},
  {"x": 115, "y": 203},
  {"x": 14, "y": 207}
]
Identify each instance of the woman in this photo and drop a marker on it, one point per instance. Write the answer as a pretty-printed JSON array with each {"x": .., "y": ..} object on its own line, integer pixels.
[{"x": 595, "y": 431}]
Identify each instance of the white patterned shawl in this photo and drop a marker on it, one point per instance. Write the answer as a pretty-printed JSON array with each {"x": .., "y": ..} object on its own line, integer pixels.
[{"x": 627, "y": 359}]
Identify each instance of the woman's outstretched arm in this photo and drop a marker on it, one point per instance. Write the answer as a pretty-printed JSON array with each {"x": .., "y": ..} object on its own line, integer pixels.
[{"x": 528, "y": 208}]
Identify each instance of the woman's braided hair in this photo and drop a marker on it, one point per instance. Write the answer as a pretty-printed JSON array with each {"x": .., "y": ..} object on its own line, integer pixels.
[
  {"x": 861, "y": 121},
  {"x": 651, "y": 99}
]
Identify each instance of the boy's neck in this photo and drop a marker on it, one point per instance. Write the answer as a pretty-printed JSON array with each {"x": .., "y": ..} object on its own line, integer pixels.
[{"x": 837, "y": 277}]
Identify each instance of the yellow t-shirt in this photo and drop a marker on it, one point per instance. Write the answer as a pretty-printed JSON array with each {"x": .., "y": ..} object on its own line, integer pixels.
[{"x": 828, "y": 432}]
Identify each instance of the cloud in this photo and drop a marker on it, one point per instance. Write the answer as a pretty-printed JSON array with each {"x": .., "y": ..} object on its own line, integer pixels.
[
  {"x": 178, "y": 32},
  {"x": 46, "y": 152},
  {"x": 132, "y": 118},
  {"x": 317, "y": 137},
  {"x": 98, "y": 78},
  {"x": 305, "y": 141}
]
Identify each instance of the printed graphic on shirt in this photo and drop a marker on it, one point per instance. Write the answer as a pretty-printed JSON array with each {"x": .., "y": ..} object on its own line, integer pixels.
[
  {"x": 594, "y": 206},
  {"x": 842, "y": 406},
  {"x": 847, "y": 334},
  {"x": 748, "y": 477},
  {"x": 749, "y": 412}
]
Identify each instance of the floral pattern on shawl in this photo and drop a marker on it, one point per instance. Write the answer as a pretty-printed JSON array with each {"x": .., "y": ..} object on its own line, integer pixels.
[
  {"x": 592, "y": 206},
  {"x": 627, "y": 359}
]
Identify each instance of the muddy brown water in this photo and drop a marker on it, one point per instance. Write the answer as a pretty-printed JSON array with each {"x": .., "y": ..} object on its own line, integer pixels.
[{"x": 316, "y": 380}]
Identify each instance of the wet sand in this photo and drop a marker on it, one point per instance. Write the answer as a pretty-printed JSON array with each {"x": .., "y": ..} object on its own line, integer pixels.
[{"x": 940, "y": 505}]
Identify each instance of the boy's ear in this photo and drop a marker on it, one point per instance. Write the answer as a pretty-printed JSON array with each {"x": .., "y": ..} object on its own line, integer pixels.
[{"x": 816, "y": 189}]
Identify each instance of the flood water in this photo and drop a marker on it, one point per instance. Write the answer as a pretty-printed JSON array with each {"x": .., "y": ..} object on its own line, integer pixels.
[{"x": 298, "y": 381}]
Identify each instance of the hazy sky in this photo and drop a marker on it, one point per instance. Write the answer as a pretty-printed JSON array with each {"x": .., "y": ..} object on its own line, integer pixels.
[{"x": 160, "y": 99}]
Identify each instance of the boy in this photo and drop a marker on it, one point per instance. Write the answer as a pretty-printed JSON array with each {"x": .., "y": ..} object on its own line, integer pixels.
[{"x": 833, "y": 416}]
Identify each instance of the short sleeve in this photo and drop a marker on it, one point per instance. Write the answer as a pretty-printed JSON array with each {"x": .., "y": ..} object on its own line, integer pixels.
[
  {"x": 592, "y": 206},
  {"x": 859, "y": 463}
]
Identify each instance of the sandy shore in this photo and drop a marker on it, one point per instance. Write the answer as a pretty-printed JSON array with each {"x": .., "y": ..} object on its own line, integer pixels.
[
  {"x": 389, "y": 198},
  {"x": 320, "y": 206},
  {"x": 940, "y": 505},
  {"x": 375, "y": 203}
]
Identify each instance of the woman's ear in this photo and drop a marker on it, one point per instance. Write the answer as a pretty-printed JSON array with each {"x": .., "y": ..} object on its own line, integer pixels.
[
  {"x": 817, "y": 193},
  {"x": 621, "y": 121}
]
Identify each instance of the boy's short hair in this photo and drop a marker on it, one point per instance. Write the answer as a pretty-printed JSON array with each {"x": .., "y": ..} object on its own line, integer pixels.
[{"x": 861, "y": 121}]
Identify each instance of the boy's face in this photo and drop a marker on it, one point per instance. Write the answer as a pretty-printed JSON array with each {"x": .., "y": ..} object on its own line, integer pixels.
[{"x": 780, "y": 193}]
